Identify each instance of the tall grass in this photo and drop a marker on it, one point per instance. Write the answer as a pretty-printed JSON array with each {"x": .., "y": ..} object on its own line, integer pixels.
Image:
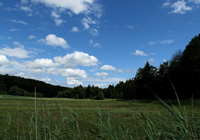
[{"x": 44, "y": 124}]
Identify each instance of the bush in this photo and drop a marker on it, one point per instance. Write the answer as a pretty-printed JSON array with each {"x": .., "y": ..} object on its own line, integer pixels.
[
  {"x": 100, "y": 96},
  {"x": 2, "y": 92}
]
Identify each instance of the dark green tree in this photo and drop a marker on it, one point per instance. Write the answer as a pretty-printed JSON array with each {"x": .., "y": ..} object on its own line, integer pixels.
[
  {"x": 145, "y": 81},
  {"x": 190, "y": 64},
  {"x": 99, "y": 96}
]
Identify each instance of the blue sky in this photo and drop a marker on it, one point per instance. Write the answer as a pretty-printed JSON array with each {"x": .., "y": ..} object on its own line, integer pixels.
[{"x": 97, "y": 42}]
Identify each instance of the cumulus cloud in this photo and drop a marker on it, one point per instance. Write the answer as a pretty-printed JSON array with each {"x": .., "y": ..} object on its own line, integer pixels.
[
  {"x": 78, "y": 73},
  {"x": 180, "y": 7},
  {"x": 77, "y": 58},
  {"x": 18, "y": 52},
  {"x": 108, "y": 67},
  {"x": 46, "y": 79},
  {"x": 39, "y": 63},
  {"x": 3, "y": 60},
  {"x": 48, "y": 67},
  {"x": 75, "y": 29},
  {"x": 102, "y": 74},
  {"x": 18, "y": 21},
  {"x": 72, "y": 81},
  {"x": 53, "y": 40},
  {"x": 139, "y": 53},
  {"x": 76, "y": 6}
]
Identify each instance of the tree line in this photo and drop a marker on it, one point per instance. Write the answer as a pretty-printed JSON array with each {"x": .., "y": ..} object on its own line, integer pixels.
[
  {"x": 15, "y": 85},
  {"x": 180, "y": 73}
]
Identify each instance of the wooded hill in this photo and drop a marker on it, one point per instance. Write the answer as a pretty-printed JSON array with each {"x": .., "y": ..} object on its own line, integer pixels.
[
  {"x": 182, "y": 72},
  {"x": 25, "y": 87}
]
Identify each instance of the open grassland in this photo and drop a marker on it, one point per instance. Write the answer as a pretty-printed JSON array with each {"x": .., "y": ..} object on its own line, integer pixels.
[{"x": 58, "y": 118}]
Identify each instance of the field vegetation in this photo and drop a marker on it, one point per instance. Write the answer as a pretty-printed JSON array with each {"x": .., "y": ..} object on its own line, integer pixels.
[{"x": 110, "y": 119}]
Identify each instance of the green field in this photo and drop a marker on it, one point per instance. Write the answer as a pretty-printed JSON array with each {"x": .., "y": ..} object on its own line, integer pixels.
[{"x": 91, "y": 119}]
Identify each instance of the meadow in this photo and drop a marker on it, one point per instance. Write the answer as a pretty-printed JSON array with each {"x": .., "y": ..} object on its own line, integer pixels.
[{"x": 110, "y": 119}]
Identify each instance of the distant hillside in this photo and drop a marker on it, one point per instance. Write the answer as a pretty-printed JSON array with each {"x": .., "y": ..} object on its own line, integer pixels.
[{"x": 48, "y": 90}]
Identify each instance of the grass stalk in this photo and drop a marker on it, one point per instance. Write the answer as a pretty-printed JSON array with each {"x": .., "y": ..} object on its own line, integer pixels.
[
  {"x": 36, "y": 134},
  {"x": 18, "y": 120},
  {"x": 44, "y": 121}
]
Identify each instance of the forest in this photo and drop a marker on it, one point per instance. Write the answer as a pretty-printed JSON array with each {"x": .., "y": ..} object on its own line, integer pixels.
[{"x": 180, "y": 74}]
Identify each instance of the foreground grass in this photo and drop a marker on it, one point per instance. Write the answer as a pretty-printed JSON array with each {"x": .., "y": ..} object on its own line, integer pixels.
[{"x": 89, "y": 119}]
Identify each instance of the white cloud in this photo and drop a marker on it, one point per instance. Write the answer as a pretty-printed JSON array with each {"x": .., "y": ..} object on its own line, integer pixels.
[
  {"x": 31, "y": 37},
  {"x": 94, "y": 44},
  {"x": 130, "y": 27},
  {"x": 151, "y": 60},
  {"x": 87, "y": 21},
  {"x": 55, "y": 15},
  {"x": 101, "y": 85},
  {"x": 94, "y": 32},
  {"x": 39, "y": 63},
  {"x": 58, "y": 21},
  {"x": 1, "y": 4},
  {"x": 166, "y": 41},
  {"x": 195, "y": 1},
  {"x": 72, "y": 81},
  {"x": 3, "y": 60},
  {"x": 108, "y": 67},
  {"x": 18, "y": 44},
  {"x": 77, "y": 58},
  {"x": 97, "y": 45},
  {"x": 19, "y": 52},
  {"x": 152, "y": 43},
  {"x": 91, "y": 42},
  {"x": 46, "y": 79},
  {"x": 105, "y": 80},
  {"x": 164, "y": 60},
  {"x": 139, "y": 53},
  {"x": 166, "y": 4},
  {"x": 26, "y": 9},
  {"x": 75, "y": 29},
  {"x": 14, "y": 30},
  {"x": 72, "y": 73},
  {"x": 18, "y": 21},
  {"x": 102, "y": 74},
  {"x": 53, "y": 40},
  {"x": 56, "y": 18},
  {"x": 180, "y": 7},
  {"x": 76, "y": 6},
  {"x": 24, "y": 1}
]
